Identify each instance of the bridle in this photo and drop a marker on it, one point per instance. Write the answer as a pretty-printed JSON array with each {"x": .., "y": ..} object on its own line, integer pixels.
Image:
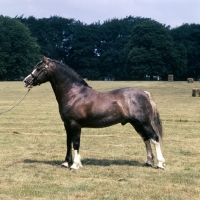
[
  {"x": 43, "y": 69},
  {"x": 35, "y": 78}
]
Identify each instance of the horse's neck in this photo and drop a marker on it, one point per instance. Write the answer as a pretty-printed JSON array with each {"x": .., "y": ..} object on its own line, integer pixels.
[
  {"x": 59, "y": 89},
  {"x": 61, "y": 86}
]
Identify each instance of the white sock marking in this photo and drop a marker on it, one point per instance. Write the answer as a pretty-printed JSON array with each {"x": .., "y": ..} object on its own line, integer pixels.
[
  {"x": 160, "y": 157},
  {"x": 77, "y": 161}
]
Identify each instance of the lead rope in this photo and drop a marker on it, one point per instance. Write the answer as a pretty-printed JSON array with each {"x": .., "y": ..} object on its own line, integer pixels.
[{"x": 16, "y": 104}]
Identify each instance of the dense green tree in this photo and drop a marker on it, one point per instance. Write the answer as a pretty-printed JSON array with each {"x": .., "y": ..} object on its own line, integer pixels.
[
  {"x": 19, "y": 51},
  {"x": 97, "y": 50},
  {"x": 115, "y": 33},
  {"x": 83, "y": 55},
  {"x": 188, "y": 35},
  {"x": 151, "y": 51},
  {"x": 53, "y": 34}
]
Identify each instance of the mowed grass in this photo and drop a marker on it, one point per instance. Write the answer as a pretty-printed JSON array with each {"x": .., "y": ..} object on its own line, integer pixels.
[{"x": 32, "y": 148}]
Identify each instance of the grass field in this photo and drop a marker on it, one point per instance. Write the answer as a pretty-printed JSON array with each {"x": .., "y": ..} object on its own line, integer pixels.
[{"x": 32, "y": 148}]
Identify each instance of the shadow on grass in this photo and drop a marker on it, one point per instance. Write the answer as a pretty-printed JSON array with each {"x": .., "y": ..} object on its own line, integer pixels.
[
  {"x": 53, "y": 162},
  {"x": 106, "y": 162},
  {"x": 88, "y": 161}
]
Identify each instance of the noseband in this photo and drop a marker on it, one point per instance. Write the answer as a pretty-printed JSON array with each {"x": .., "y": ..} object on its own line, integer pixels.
[{"x": 35, "y": 78}]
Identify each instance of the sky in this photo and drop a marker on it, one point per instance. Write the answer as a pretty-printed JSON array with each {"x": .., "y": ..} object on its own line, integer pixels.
[{"x": 169, "y": 12}]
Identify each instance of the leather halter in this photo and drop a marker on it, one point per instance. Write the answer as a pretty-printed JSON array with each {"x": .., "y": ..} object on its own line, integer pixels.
[{"x": 44, "y": 69}]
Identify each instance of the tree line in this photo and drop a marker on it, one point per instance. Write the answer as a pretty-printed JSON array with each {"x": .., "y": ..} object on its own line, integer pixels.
[{"x": 132, "y": 48}]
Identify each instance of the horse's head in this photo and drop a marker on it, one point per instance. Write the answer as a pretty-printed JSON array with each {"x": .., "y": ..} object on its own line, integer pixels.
[{"x": 39, "y": 74}]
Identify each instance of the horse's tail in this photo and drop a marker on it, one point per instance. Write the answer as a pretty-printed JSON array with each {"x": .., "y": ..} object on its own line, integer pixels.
[{"x": 155, "y": 119}]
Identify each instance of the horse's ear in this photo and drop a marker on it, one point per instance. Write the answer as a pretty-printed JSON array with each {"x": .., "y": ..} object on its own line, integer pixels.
[{"x": 45, "y": 59}]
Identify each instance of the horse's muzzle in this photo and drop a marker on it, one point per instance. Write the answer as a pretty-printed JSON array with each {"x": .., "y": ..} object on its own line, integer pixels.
[{"x": 28, "y": 82}]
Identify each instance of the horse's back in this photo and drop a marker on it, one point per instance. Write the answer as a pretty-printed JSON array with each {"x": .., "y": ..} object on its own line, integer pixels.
[{"x": 131, "y": 102}]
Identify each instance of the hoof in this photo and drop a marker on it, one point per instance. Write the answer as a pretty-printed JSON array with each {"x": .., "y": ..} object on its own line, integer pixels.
[
  {"x": 65, "y": 165},
  {"x": 160, "y": 168},
  {"x": 148, "y": 165},
  {"x": 76, "y": 166}
]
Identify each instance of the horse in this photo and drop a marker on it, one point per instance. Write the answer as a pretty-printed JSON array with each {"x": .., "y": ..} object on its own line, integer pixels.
[{"x": 81, "y": 106}]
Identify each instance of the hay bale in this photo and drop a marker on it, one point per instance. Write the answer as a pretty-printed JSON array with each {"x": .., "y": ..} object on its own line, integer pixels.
[
  {"x": 196, "y": 92},
  {"x": 190, "y": 80},
  {"x": 170, "y": 77}
]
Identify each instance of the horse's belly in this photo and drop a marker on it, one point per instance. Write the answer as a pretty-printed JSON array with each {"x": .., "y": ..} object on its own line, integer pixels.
[{"x": 101, "y": 122}]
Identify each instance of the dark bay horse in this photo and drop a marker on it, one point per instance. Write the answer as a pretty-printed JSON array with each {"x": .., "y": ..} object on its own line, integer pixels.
[{"x": 81, "y": 106}]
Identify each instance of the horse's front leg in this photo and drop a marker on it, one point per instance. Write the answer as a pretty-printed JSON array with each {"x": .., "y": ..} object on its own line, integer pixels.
[
  {"x": 76, "y": 130},
  {"x": 68, "y": 159}
]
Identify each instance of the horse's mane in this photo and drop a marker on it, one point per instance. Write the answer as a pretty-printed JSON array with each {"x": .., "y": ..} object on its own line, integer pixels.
[{"x": 69, "y": 74}]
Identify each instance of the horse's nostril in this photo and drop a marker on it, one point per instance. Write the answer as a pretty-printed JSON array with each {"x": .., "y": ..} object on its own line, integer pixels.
[{"x": 30, "y": 82}]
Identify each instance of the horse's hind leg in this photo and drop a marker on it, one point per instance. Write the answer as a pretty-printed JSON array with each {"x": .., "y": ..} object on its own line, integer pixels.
[
  {"x": 155, "y": 140},
  {"x": 160, "y": 157},
  {"x": 150, "y": 156},
  {"x": 147, "y": 133}
]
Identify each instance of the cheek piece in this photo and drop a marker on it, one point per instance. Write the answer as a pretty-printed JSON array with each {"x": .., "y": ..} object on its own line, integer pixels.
[{"x": 35, "y": 78}]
